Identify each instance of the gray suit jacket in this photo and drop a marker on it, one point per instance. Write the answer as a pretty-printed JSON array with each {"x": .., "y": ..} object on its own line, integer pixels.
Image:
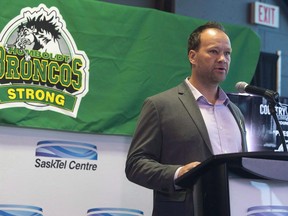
[{"x": 171, "y": 132}]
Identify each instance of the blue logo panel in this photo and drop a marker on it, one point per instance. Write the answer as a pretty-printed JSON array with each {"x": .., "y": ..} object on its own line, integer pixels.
[
  {"x": 114, "y": 212},
  {"x": 23, "y": 210},
  {"x": 268, "y": 211},
  {"x": 66, "y": 149}
]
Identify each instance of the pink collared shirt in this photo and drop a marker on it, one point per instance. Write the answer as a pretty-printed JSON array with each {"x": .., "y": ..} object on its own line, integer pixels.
[
  {"x": 224, "y": 133},
  {"x": 223, "y": 130}
]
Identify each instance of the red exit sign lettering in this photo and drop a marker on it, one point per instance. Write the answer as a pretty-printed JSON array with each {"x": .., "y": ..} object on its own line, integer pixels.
[{"x": 265, "y": 14}]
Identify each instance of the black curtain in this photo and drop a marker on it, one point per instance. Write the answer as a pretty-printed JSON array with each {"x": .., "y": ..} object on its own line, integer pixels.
[
  {"x": 266, "y": 71},
  {"x": 165, "y": 5}
]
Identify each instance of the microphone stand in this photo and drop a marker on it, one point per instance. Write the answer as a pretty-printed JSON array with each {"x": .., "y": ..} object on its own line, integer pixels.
[{"x": 272, "y": 102}]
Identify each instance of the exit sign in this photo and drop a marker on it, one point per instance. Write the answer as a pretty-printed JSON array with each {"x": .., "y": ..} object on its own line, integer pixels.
[{"x": 265, "y": 14}]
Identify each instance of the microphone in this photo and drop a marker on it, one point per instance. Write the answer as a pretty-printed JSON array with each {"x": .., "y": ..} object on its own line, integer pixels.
[{"x": 243, "y": 87}]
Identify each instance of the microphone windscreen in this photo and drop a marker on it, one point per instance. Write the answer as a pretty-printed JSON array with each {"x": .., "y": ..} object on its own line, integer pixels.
[{"x": 240, "y": 86}]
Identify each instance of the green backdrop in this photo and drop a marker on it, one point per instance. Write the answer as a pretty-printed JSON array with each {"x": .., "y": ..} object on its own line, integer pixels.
[{"x": 133, "y": 53}]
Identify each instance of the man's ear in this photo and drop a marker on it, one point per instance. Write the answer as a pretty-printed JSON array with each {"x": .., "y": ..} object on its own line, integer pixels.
[{"x": 192, "y": 56}]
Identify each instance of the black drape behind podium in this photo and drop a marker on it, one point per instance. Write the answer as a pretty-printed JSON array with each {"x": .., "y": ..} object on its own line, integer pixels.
[{"x": 210, "y": 180}]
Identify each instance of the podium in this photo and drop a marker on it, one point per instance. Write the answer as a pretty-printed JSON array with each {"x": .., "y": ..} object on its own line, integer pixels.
[{"x": 223, "y": 183}]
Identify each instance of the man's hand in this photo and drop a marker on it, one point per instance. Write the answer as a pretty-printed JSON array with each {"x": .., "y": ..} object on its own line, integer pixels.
[{"x": 187, "y": 167}]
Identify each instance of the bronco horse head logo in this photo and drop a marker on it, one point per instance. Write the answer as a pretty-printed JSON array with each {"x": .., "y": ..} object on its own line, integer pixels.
[
  {"x": 38, "y": 33},
  {"x": 42, "y": 67}
]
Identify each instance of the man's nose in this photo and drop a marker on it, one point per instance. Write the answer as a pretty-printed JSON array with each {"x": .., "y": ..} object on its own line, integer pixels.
[{"x": 222, "y": 58}]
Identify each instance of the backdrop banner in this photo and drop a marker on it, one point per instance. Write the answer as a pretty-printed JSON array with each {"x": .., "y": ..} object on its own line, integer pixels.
[
  {"x": 56, "y": 173},
  {"x": 87, "y": 66},
  {"x": 262, "y": 131}
]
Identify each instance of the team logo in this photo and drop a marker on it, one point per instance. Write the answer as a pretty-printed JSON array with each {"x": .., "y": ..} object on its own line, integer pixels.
[{"x": 40, "y": 65}]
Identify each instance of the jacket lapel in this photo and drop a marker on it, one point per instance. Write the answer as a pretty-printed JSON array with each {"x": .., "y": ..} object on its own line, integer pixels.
[
  {"x": 241, "y": 125},
  {"x": 190, "y": 104}
]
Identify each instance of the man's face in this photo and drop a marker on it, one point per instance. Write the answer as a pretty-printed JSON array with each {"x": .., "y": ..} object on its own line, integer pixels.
[{"x": 212, "y": 61}]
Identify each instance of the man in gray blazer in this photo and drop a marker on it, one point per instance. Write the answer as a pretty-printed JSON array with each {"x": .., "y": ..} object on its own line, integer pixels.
[{"x": 183, "y": 126}]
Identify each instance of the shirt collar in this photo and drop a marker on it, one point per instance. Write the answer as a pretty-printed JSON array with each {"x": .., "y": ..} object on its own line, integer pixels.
[{"x": 222, "y": 99}]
